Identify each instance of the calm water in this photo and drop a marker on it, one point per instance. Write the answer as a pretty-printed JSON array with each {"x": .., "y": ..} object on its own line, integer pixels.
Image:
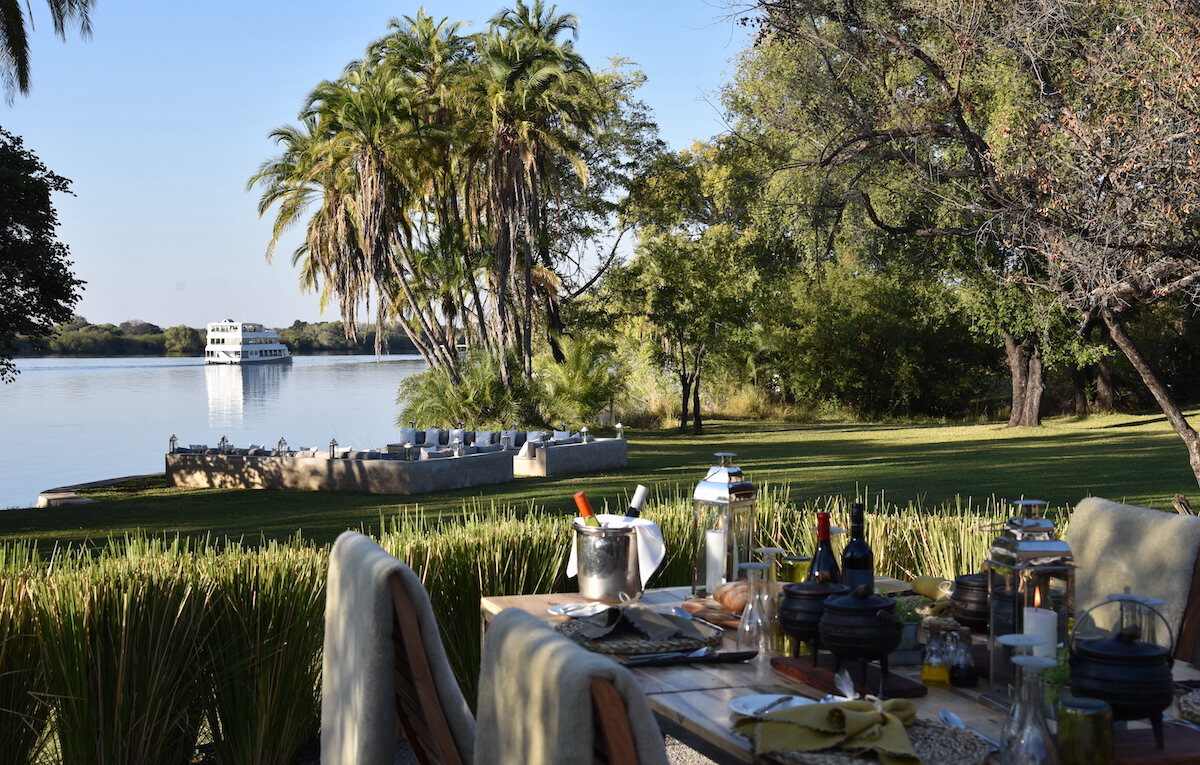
[{"x": 67, "y": 421}]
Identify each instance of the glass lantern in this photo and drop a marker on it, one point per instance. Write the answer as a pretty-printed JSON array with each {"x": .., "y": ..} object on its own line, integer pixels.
[
  {"x": 172, "y": 444},
  {"x": 1031, "y": 591},
  {"x": 723, "y": 504}
]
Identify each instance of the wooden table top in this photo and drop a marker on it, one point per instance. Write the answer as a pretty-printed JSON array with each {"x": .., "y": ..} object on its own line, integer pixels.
[{"x": 696, "y": 697}]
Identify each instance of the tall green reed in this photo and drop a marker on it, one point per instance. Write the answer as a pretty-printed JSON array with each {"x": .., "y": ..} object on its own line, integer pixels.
[
  {"x": 121, "y": 646},
  {"x": 22, "y": 681},
  {"x": 264, "y": 648}
]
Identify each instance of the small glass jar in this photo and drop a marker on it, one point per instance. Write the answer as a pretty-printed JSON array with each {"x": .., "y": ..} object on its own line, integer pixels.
[
  {"x": 1029, "y": 742},
  {"x": 1084, "y": 732}
]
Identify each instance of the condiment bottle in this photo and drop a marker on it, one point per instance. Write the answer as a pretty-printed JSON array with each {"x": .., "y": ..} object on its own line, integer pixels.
[
  {"x": 935, "y": 668},
  {"x": 962, "y": 662}
]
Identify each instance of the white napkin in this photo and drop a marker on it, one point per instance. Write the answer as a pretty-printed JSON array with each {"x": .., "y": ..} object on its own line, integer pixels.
[{"x": 650, "y": 547}]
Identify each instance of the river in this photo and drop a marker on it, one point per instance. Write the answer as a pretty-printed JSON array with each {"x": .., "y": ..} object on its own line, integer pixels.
[{"x": 67, "y": 421}]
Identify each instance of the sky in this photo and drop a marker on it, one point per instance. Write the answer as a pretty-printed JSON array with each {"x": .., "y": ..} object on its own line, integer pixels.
[{"x": 162, "y": 116}]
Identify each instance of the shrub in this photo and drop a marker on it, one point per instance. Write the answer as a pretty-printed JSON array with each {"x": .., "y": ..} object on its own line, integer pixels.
[
  {"x": 480, "y": 398},
  {"x": 22, "y": 681},
  {"x": 587, "y": 381}
]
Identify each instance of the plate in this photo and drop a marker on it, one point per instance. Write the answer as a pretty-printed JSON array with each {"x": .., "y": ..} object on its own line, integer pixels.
[
  {"x": 577, "y": 610},
  {"x": 745, "y": 705}
]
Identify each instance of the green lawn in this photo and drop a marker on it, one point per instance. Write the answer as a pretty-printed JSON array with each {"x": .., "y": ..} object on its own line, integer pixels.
[{"x": 1134, "y": 458}]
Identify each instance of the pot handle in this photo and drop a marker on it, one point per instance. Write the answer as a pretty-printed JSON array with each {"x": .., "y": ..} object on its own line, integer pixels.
[
  {"x": 885, "y": 616},
  {"x": 1161, "y": 618}
]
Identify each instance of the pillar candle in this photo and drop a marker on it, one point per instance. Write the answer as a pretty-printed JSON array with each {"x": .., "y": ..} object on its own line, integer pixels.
[
  {"x": 714, "y": 559},
  {"x": 1043, "y": 623}
]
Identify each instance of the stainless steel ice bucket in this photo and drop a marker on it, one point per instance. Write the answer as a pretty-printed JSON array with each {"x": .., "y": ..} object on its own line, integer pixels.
[{"x": 608, "y": 563}]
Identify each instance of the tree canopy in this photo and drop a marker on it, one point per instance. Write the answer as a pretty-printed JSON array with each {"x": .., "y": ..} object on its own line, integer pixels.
[{"x": 37, "y": 286}]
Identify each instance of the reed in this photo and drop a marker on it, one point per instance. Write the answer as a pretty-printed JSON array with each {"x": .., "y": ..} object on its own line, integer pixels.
[
  {"x": 125, "y": 676},
  {"x": 22, "y": 681},
  {"x": 264, "y": 648}
]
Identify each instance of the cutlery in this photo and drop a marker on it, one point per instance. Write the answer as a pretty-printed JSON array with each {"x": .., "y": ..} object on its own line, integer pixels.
[
  {"x": 771, "y": 705},
  {"x": 1182, "y": 723},
  {"x": 707, "y": 658},
  {"x": 954, "y": 721},
  {"x": 671, "y": 654}
]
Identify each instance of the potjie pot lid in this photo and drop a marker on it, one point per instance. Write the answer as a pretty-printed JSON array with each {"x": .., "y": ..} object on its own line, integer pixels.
[
  {"x": 1121, "y": 650},
  {"x": 812, "y": 590},
  {"x": 860, "y": 601}
]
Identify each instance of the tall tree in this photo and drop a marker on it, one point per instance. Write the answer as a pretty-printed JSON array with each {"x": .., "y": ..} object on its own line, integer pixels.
[
  {"x": 37, "y": 287},
  {"x": 1062, "y": 133}
]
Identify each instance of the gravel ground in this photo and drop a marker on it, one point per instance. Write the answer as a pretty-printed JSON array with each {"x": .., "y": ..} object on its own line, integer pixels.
[{"x": 677, "y": 754}]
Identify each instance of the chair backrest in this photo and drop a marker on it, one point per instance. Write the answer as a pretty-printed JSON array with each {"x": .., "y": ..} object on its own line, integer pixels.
[
  {"x": 614, "y": 737},
  {"x": 418, "y": 706},
  {"x": 1153, "y": 552}
]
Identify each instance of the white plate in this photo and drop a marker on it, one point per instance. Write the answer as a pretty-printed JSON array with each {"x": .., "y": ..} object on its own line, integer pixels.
[
  {"x": 745, "y": 705},
  {"x": 576, "y": 610}
]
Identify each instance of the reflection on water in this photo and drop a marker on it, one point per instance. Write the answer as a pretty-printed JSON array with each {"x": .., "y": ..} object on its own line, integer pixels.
[
  {"x": 233, "y": 387},
  {"x": 101, "y": 418}
]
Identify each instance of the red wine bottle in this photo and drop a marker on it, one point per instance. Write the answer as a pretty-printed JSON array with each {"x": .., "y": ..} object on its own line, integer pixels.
[
  {"x": 858, "y": 561},
  {"x": 824, "y": 561}
]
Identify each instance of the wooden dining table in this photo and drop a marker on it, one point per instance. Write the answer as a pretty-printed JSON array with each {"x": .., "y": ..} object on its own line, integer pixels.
[{"x": 691, "y": 701}]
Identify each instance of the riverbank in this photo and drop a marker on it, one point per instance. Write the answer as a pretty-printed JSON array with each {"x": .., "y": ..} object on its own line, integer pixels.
[{"x": 1130, "y": 458}]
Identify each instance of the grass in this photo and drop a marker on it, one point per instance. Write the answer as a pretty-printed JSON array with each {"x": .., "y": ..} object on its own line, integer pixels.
[{"x": 1133, "y": 458}]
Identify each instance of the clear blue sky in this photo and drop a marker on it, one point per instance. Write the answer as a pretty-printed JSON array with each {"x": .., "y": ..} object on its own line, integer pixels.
[{"x": 161, "y": 117}]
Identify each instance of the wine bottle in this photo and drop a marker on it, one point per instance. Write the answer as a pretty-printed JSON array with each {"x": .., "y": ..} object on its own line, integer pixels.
[
  {"x": 585, "y": 509},
  {"x": 635, "y": 504},
  {"x": 824, "y": 561},
  {"x": 858, "y": 562}
]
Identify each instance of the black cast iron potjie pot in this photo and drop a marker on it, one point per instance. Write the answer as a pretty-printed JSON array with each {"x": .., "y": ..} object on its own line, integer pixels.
[
  {"x": 1134, "y": 677},
  {"x": 801, "y": 609},
  {"x": 860, "y": 626},
  {"x": 969, "y": 601}
]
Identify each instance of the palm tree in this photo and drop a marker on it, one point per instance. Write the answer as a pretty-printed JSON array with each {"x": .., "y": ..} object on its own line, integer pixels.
[
  {"x": 14, "y": 38},
  {"x": 537, "y": 96}
]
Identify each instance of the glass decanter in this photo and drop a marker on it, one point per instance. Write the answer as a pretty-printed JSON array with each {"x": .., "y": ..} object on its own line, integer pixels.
[
  {"x": 756, "y": 630},
  {"x": 1029, "y": 742},
  {"x": 770, "y": 557},
  {"x": 1019, "y": 645}
]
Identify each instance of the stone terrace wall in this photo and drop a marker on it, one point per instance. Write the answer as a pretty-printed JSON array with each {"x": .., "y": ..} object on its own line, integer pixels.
[{"x": 374, "y": 476}]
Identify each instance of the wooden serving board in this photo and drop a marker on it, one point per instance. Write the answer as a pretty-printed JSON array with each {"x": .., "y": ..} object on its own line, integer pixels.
[
  {"x": 1136, "y": 747},
  {"x": 821, "y": 677}
]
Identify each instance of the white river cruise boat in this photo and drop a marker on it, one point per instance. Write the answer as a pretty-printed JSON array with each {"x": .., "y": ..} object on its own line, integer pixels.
[{"x": 240, "y": 342}]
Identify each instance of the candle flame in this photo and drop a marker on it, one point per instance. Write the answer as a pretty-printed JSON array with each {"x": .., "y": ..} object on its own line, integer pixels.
[{"x": 1037, "y": 598}]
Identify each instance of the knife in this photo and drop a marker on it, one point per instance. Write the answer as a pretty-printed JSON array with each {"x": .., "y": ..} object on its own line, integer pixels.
[{"x": 728, "y": 657}]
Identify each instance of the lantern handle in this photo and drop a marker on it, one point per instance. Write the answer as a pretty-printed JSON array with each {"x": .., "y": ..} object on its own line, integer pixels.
[{"x": 1161, "y": 618}]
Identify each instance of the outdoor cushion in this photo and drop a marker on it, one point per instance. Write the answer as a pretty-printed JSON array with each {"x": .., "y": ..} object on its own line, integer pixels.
[
  {"x": 458, "y": 434},
  {"x": 483, "y": 437},
  {"x": 488, "y": 449},
  {"x": 358, "y": 686},
  {"x": 1152, "y": 552},
  {"x": 433, "y": 437},
  {"x": 198, "y": 447},
  {"x": 435, "y": 454},
  {"x": 537, "y": 436},
  {"x": 536, "y": 703},
  {"x": 562, "y": 435},
  {"x": 408, "y": 436},
  {"x": 512, "y": 438}
]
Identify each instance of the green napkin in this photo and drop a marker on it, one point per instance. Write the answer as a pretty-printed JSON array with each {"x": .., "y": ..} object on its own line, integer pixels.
[
  {"x": 638, "y": 618},
  {"x": 852, "y": 726}
]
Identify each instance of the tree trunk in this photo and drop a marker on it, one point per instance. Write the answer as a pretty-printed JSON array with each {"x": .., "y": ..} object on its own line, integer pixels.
[
  {"x": 1028, "y": 381},
  {"x": 1079, "y": 383},
  {"x": 1157, "y": 388},
  {"x": 1104, "y": 386},
  {"x": 685, "y": 385},
  {"x": 697, "y": 424}
]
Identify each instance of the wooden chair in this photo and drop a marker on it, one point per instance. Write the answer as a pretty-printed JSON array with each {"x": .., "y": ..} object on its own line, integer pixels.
[
  {"x": 614, "y": 738},
  {"x": 419, "y": 709}
]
